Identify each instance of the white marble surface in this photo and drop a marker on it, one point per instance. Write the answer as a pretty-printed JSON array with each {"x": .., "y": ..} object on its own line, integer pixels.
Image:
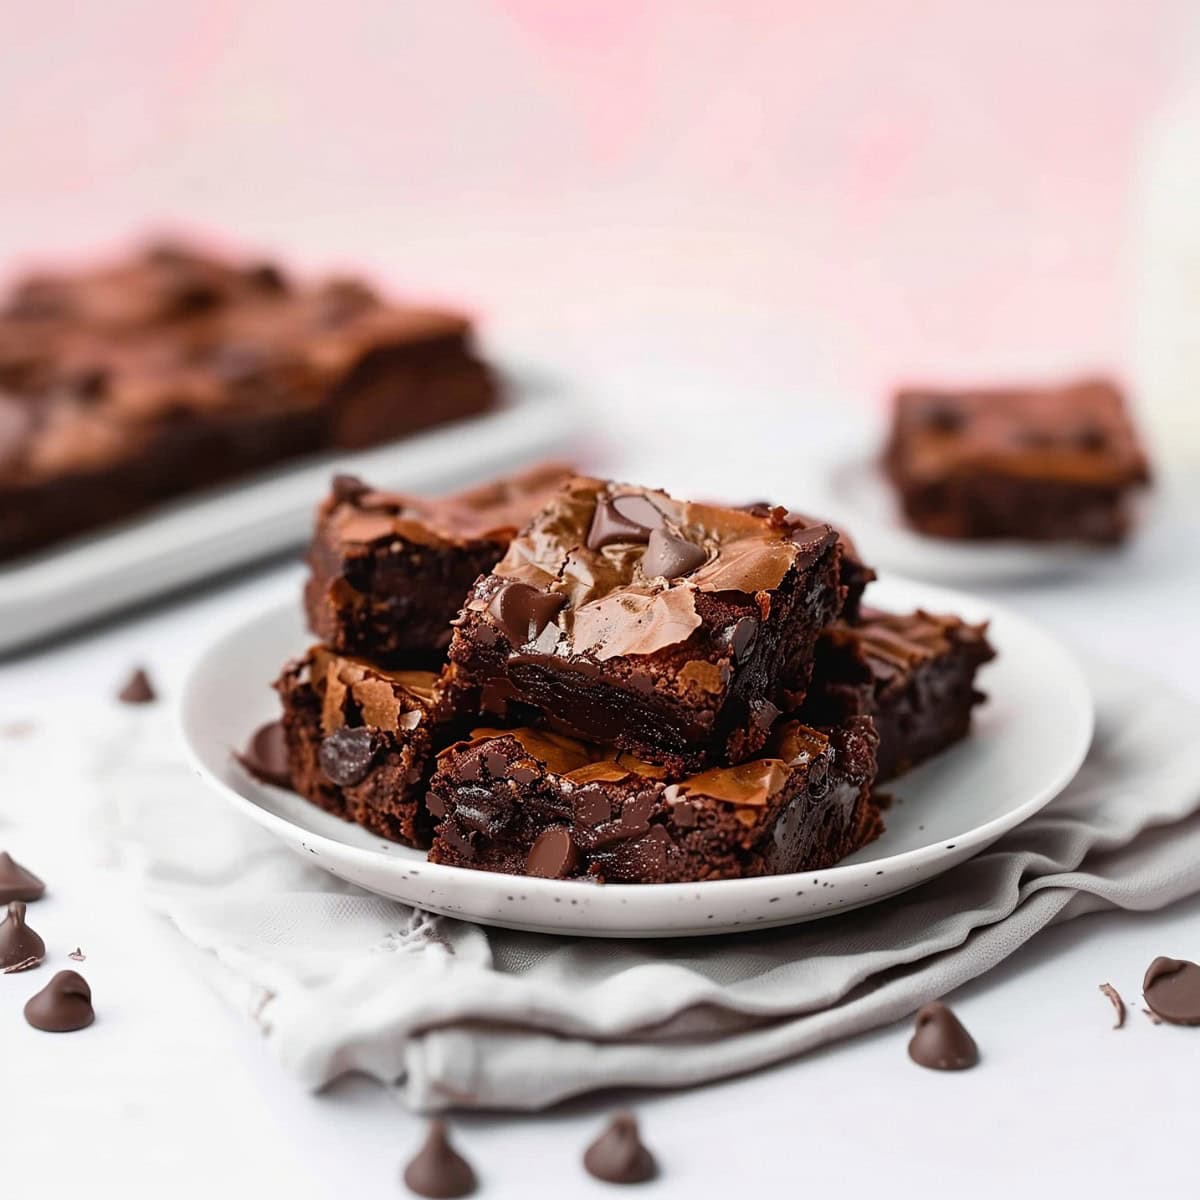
[{"x": 169, "y": 1094}]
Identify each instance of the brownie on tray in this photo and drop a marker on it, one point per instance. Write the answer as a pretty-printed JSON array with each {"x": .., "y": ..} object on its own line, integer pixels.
[
  {"x": 530, "y": 802},
  {"x": 174, "y": 370},
  {"x": 360, "y": 740},
  {"x": 388, "y": 573},
  {"x": 1036, "y": 464},
  {"x": 913, "y": 673},
  {"x": 675, "y": 631}
]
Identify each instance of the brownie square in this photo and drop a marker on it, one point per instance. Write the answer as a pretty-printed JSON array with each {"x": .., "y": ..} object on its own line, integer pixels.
[
  {"x": 675, "y": 631},
  {"x": 360, "y": 740},
  {"x": 388, "y": 573},
  {"x": 913, "y": 673},
  {"x": 173, "y": 370},
  {"x": 528, "y": 802},
  {"x": 1035, "y": 464}
]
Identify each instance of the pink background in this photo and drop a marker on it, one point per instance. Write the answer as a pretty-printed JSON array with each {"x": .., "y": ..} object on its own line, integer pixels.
[{"x": 854, "y": 192}]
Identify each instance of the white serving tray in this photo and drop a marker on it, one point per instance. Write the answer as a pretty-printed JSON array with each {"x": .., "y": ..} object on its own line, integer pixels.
[{"x": 212, "y": 531}]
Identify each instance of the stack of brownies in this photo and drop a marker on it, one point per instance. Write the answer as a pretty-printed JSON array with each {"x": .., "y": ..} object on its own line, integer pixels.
[{"x": 560, "y": 676}]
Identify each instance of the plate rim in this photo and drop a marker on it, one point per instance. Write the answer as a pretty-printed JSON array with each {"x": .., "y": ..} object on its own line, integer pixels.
[{"x": 973, "y": 840}]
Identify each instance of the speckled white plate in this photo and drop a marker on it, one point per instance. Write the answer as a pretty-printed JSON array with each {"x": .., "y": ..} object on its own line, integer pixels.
[{"x": 1028, "y": 742}]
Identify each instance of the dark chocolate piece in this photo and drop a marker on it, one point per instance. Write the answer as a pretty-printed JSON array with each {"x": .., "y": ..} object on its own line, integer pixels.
[
  {"x": 528, "y": 801},
  {"x": 941, "y": 1042},
  {"x": 266, "y": 755},
  {"x": 18, "y": 883},
  {"x": 618, "y": 1155},
  {"x": 643, "y": 642},
  {"x": 913, "y": 673},
  {"x": 127, "y": 385},
  {"x": 1035, "y": 464},
  {"x": 63, "y": 1005},
  {"x": 77, "y": 955},
  {"x": 20, "y": 946},
  {"x": 438, "y": 1170},
  {"x": 388, "y": 573},
  {"x": 1118, "y": 1004},
  {"x": 138, "y": 689},
  {"x": 1172, "y": 990}
]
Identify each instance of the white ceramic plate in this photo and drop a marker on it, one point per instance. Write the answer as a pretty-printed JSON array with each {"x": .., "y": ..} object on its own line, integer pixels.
[
  {"x": 1028, "y": 742},
  {"x": 209, "y": 532},
  {"x": 854, "y": 492}
]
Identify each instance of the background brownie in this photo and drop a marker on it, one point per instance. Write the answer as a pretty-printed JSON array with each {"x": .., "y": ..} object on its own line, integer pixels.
[
  {"x": 675, "y": 631},
  {"x": 123, "y": 386},
  {"x": 529, "y": 802},
  {"x": 388, "y": 573},
  {"x": 1055, "y": 463},
  {"x": 914, "y": 674},
  {"x": 360, "y": 740}
]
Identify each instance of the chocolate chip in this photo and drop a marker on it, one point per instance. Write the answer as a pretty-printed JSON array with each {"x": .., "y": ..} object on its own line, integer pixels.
[
  {"x": 669, "y": 557},
  {"x": 268, "y": 277},
  {"x": 63, "y": 1005},
  {"x": 622, "y": 519},
  {"x": 77, "y": 955},
  {"x": 1172, "y": 990},
  {"x": 347, "y": 753},
  {"x": 20, "y": 946},
  {"x": 552, "y": 856},
  {"x": 17, "y": 883},
  {"x": 742, "y": 637},
  {"x": 618, "y": 1155},
  {"x": 592, "y": 807},
  {"x": 438, "y": 1170},
  {"x": 940, "y": 1041},
  {"x": 522, "y": 612},
  {"x": 266, "y": 755},
  {"x": 348, "y": 489},
  {"x": 684, "y": 814},
  {"x": 496, "y": 764},
  {"x": 522, "y": 775},
  {"x": 138, "y": 689},
  {"x": 1117, "y": 1003},
  {"x": 435, "y": 805}
]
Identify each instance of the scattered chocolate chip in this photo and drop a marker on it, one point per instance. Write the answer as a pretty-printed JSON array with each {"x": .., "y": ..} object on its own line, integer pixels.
[
  {"x": 618, "y": 1154},
  {"x": 742, "y": 637},
  {"x": 18, "y": 883},
  {"x": 1117, "y": 1003},
  {"x": 20, "y": 946},
  {"x": 347, "y": 753},
  {"x": 1172, "y": 990},
  {"x": 77, "y": 955},
  {"x": 438, "y": 1170},
  {"x": 552, "y": 856},
  {"x": 669, "y": 557},
  {"x": 138, "y": 689},
  {"x": 347, "y": 489},
  {"x": 266, "y": 755},
  {"x": 622, "y": 519},
  {"x": 940, "y": 1041},
  {"x": 63, "y": 1005},
  {"x": 684, "y": 814},
  {"x": 522, "y": 612},
  {"x": 592, "y": 807}
]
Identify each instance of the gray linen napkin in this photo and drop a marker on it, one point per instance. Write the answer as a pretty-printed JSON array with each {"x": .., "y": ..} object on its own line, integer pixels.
[{"x": 339, "y": 980}]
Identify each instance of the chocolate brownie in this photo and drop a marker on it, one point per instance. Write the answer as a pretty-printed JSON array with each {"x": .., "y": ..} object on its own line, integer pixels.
[
  {"x": 675, "y": 631},
  {"x": 124, "y": 386},
  {"x": 1035, "y": 464},
  {"x": 913, "y": 673},
  {"x": 360, "y": 740},
  {"x": 530, "y": 802},
  {"x": 388, "y": 573}
]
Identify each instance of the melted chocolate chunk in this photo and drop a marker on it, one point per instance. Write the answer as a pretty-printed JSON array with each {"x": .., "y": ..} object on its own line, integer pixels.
[
  {"x": 592, "y": 807},
  {"x": 552, "y": 856},
  {"x": 438, "y": 1170},
  {"x": 670, "y": 557},
  {"x": 138, "y": 689},
  {"x": 347, "y": 754},
  {"x": 1172, "y": 990},
  {"x": 1117, "y": 1003},
  {"x": 63, "y": 1005},
  {"x": 622, "y": 519},
  {"x": 522, "y": 612},
  {"x": 266, "y": 755},
  {"x": 17, "y": 883},
  {"x": 940, "y": 1041},
  {"x": 618, "y": 1154},
  {"x": 20, "y": 947}
]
